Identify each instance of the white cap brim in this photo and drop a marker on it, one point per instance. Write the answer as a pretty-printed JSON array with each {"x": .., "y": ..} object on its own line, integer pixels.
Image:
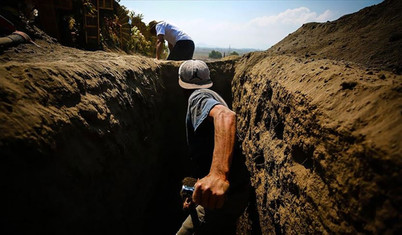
[{"x": 186, "y": 85}]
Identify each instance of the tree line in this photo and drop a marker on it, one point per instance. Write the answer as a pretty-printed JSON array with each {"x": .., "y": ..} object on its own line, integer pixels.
[{"x": 217, "y": 55}]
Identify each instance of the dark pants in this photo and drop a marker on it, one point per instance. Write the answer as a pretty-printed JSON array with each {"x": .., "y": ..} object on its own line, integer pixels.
[
  {"x": 183, "y": 50},
  {"x": 220, "y": 221}
]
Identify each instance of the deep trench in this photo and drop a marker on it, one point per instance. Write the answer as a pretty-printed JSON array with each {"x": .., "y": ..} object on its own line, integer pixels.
[
  {"x": 165, "y": 215},
  {"x": 97, "y": 178},
  {"x": 174, "y": 108},
  {"x": 68, "y": 167}
]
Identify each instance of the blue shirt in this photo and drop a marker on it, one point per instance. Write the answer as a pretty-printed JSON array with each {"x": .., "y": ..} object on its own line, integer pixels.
[
  {"x": 200, "y": 138},
  {"x": 200, "y": 132},
  {"x": 200, "y": 104}
]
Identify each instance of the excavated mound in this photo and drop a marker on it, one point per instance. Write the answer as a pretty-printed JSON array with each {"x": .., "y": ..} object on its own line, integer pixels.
[
  {"x": 322, "y": 143},
  {"x": 371, "y": 37},
  {"x": 92, "y": 142},
  {"x": 82, "y": 135},
  {"x": 320, "y": 125}
]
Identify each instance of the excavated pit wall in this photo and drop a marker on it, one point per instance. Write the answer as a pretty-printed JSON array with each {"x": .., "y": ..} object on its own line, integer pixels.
[
  {"x": 81, "y": 144},
  {"x": 94, "y": 145},
  {"x": 322, "y": 144}
]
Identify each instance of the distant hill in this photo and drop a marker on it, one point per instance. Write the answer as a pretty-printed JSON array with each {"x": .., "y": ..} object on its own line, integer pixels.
[{"x": 202, "y": 52}]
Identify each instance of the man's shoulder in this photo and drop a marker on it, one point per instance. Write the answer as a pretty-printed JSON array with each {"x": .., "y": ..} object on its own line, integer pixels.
[
  {"x": 166, "y": 25},
  {"x": 200, "y": 94},
  {"x": 204, "y": 91},
  {"x": 160, "y": 25}
]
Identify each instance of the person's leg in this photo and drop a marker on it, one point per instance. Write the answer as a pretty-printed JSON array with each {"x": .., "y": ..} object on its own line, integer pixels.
[
  {"x": 189, "y": 226},
  {"x": 223, "y": 221},
  {"x": 189, "y": 51},
  {"x": 220, "y": 221},
  {"x": 173, "y": 55},
  {"x": 183, "y": 50},
  {"x": 209, "y": 223}
]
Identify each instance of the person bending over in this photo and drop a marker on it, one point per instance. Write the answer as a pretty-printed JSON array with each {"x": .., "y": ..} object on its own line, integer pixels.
[{"x": 181, "y": 46}]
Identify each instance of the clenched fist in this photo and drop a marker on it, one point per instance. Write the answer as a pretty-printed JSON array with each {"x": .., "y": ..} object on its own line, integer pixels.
[{"x": 210, "y": 191}]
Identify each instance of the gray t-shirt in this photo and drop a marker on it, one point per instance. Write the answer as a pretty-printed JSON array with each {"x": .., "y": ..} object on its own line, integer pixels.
[
  {"x": 200, "y": 132},
  {"x": 200, "y": 138},
  {"x": 200, "y": 104}
]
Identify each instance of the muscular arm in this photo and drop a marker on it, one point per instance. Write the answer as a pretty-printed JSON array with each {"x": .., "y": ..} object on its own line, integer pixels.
[
  {"x": 159, "y": 45},
  {"x": 210, "y": 191}
]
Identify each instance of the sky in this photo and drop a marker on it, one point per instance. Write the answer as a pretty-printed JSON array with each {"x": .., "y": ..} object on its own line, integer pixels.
[{"x": 243, "y": 24}]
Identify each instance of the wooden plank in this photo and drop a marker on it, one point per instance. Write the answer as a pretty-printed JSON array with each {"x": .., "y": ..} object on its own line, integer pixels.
[
  {"x": 106, "y": 4},
  {"x": 91, "y": 26}
]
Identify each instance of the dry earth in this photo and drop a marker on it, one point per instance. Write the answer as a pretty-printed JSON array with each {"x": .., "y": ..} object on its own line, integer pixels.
[
  {"x": 81, "y": 139},
  {"x": 321, "y": 128},
  {"x": 92, "y": 142},
  {"x": 322, "y": 143}
]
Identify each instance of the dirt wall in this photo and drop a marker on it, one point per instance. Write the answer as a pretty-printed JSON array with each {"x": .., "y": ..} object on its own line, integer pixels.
[
  {"x": 92, "y": 142},
  {"x": 322, "y": 144},
  {"x": 82, "y": 142},
  {"x": 371, "y": 36}
]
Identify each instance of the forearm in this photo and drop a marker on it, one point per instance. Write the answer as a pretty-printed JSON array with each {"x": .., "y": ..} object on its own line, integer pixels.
[
  {"x": 210, "y": 190},
  {"x": 225, "y": 132}
]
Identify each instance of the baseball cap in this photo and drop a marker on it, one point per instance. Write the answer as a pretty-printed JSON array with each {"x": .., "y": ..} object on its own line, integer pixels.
[
  {"x": 194, "y": 74},
  {"x": 152, "y": 25}
]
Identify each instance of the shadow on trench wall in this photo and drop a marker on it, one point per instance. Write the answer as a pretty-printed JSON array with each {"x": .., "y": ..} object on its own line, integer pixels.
[
  {"x": 86, "y": 175},
  {"x": 91, "y": 175},
  {"x": 222, "y": 73},
  {"x": 165, "y": 214},
  {"x": 176, "y": 164}
]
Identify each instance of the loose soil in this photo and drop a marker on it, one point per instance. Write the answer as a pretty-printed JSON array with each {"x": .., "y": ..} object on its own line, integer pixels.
[{"x": 94, "y": 141}]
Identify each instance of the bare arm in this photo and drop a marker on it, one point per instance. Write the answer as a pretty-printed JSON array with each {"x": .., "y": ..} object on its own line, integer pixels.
[
  {"x": 159, "y": 45},
  {"x": 210, "y": 191}
]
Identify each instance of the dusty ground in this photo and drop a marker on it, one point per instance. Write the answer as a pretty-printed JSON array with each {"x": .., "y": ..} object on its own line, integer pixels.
[
  {"x": 323, "y": 147},
  {"x": 81, "y": 139},
  {"x": 371, "y": 37},
  {"x": 88, "y": 138},
  {"x": 321, "y": 126}
]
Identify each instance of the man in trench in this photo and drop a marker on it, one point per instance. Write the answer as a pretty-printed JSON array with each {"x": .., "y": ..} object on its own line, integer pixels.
[
  {"x": 221, "y": 193},
  {"x": 181, "y": 46}
]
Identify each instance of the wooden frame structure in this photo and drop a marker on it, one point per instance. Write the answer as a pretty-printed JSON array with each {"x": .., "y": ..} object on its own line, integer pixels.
[{"x": 91, "y": 21}]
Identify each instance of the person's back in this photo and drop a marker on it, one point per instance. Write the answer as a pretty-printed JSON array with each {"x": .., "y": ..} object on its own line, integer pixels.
[
  {"x": 211, "y": 138},
  {"x": 200, "y": 133},
  {"x": 172, "y": 33},
  {"x": 180, "y": 44}
]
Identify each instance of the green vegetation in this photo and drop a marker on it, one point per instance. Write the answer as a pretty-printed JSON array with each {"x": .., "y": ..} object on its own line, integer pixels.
[
  {"x": 126, "y": 30},
  {"x": 234, "y": 53},
  {"x": 215, "y": 54}
]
